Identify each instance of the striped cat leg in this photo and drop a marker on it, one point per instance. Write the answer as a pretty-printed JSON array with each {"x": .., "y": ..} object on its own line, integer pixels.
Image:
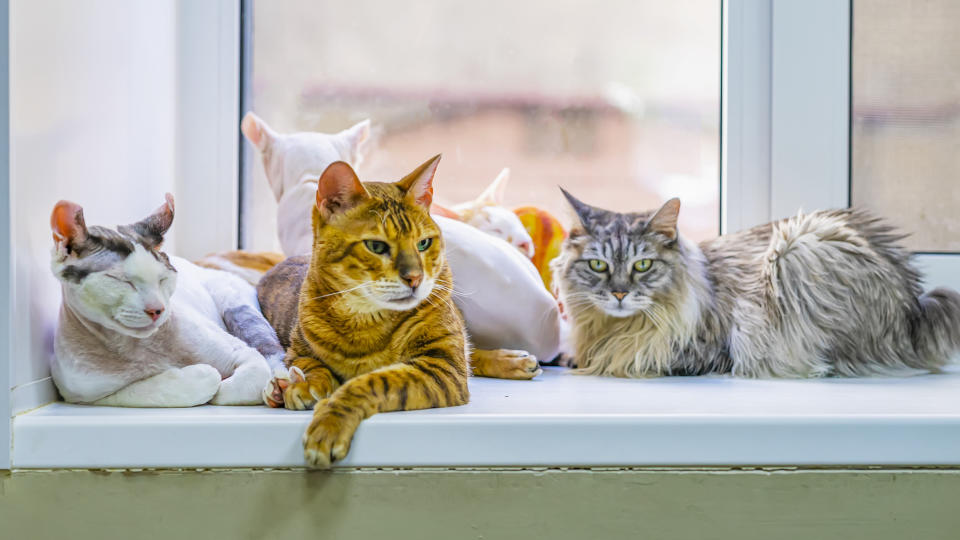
[
  {"x": 504, "y": 364},
  {"x": 309, "y": 381},
  {"x": 423, "y": 383}
]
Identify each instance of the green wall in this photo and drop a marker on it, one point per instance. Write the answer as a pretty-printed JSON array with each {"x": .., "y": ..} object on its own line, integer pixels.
[{"x": 691, "y": 504}]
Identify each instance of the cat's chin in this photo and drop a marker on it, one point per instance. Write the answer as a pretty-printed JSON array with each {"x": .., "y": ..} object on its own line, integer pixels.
[
  {"x": 619, "y": 312},
  {"x": 138, "y": 331},
  {"x": 401, "y": 304}
]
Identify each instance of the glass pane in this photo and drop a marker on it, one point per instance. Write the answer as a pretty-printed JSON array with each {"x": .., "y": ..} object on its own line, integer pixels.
[
  {"x": 617, "y": 101},
  {"x": 906, "y": 117}
]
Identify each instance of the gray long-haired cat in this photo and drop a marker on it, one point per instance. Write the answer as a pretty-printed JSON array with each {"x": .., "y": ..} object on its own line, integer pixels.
[
  {"x": 140, "y": 329},
  {"x": 826, "y": 293}
]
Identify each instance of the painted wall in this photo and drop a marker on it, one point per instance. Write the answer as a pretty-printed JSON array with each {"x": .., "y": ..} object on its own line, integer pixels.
[
  {"x": 662, "y": 504},
  {"x": 92, "y": 101}
]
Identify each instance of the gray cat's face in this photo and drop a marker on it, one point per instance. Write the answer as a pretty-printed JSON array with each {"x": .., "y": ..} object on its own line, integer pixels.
[
  {"x": 116, "y": 278},
  {"x": 619, "y": 263}
]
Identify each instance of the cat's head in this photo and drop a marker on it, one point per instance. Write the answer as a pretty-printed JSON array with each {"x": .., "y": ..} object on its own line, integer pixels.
[
  {"x": 375, "y": 243},
  {"x": 619, "y": 263},
  {"x": 289, "y": 159},
  {"x": 488, "y": 214},
  {"x": 117, "y": 278}
]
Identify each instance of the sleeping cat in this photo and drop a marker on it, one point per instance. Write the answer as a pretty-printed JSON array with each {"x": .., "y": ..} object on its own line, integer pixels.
[
  {"x": 370, "y": 321},
  {"x": 141, "y": 329},
  {"x": 826, "y": 293}
]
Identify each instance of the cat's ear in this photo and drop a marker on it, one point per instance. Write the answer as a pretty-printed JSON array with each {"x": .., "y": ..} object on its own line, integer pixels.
[
  {"x": 583, "y": 210},
  {"x": 339, "y": 189},
  {"x": 354, "y": 137},
  {"x": 69, "y": 228},
  {"x": 257, "y": 131},
  {"x": 419, "y": 183},
  {"x": 494, "y": 194},
  {"x": 443, "y": 211},
  {"x": 152, "y": 228},
  {"x": 664, "y": 222}
]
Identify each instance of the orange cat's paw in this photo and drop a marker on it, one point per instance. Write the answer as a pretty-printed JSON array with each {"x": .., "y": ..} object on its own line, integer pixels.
[
  {"x": 328, "y": 437},
  {"x": 301, "y": 393},
  {"x": 518, "y": 364}
]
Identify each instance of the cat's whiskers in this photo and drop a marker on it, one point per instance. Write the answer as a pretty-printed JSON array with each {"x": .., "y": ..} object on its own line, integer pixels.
[{"x": 344, "y": 291}]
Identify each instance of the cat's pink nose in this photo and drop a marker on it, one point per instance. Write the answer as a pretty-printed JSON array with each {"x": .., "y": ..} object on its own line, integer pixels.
[
  {"x": 412, "y": 279},
  {"x": 153, "y": 312},
  {"x": 619, "y": 294}
]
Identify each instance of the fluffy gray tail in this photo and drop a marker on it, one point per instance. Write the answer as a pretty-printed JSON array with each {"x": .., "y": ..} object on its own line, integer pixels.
[{"x": 936, "y": 335}]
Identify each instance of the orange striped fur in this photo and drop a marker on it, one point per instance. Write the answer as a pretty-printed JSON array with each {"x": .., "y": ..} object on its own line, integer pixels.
[
  {"x": 547, "y": 233},
  {"x": 350, "y": 355}
]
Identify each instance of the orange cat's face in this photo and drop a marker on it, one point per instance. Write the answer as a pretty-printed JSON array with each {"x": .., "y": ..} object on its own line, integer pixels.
[{"x": 375, "y": 245}]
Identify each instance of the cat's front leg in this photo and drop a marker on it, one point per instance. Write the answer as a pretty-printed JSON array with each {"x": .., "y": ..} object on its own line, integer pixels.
[
  {"x": 423, "y": 383},
  {"x": 176, "y": 387},
  {"x": 504, "y": 364}
]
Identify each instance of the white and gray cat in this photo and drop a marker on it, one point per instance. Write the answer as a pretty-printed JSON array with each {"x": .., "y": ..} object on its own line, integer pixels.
[
  {"x": 819, "y": 294},
  {"x": 141, "y": 329}
]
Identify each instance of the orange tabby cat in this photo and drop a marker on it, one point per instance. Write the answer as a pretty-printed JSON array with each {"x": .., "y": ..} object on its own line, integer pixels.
[{"x": 370, "y": 323}]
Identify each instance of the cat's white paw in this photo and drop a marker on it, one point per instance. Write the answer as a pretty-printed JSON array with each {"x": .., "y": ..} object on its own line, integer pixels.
[
  {"x": 193, "y": 385},
  {"x": 244, "y": 387}
]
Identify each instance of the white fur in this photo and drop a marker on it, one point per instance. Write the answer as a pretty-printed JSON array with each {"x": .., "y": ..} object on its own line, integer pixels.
[
  {"x": 293, "y": 164},
  {"x": 488, "y": 214},
  {"x": 498, "y": 290}
]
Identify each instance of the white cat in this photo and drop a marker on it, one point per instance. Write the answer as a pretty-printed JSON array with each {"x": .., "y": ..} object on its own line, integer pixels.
[
  {"x": 139, "y": 329},
  {"x": 298, "y": 160}
]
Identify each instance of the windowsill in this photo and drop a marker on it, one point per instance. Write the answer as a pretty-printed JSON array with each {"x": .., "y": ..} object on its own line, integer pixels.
[{"x": 559, "y": 419}]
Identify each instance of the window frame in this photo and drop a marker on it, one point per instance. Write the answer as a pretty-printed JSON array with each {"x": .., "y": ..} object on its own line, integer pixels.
[{"x": 777, "y": 131}]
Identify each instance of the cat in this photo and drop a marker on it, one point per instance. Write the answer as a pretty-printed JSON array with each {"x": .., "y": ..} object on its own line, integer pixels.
[
  {"x": 829, "y": 293},
  {"x": 369, "y": 318},
  {"x": 487, "y": 272},
  {"x": 292, "y": 163},
  {"x": 488, "y": 214},
  {"x": 140, "y": 329}
]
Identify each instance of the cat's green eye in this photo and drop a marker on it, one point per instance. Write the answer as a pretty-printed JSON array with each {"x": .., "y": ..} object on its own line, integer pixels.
[
  {"x": 424, "y": 244},
  {"x": 597, "y": 265},
  {"x": 377, "y": 246},
  {"x": 643, "y": 265}
]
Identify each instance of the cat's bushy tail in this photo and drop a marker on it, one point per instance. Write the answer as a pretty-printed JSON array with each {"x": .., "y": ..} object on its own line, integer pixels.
[{"x": 936, "y": 335}]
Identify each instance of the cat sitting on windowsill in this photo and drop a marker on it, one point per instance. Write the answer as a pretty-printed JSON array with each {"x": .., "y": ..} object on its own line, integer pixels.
[{"x": 141, "y": 329}]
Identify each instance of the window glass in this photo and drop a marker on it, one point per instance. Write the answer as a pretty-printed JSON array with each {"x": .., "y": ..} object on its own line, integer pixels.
[
  {"x": 906, "y": 117},
  {"x": 615, "y": 100}
]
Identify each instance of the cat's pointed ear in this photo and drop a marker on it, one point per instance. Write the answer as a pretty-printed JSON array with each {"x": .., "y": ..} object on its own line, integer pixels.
[
  {"x": 583, "y": 210},
  {"x": 664, "y": 222},
  {"x": 354, "y": 137},
  {"x": 257, "y": 132},
  {"x": 339, "y": 189},
  {"x": 69, "y": 228},
  {"x": 494, "y": 194},
  {"x": 419, "y": 183},
  {"x": 152, "y": 228}
]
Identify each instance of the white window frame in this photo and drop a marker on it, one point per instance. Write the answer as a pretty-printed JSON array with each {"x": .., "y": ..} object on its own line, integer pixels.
[{"x": 785, "y": 145}]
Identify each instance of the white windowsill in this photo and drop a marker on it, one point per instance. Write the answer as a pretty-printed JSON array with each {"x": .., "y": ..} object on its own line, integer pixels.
[{"x": 559, "y": 419}]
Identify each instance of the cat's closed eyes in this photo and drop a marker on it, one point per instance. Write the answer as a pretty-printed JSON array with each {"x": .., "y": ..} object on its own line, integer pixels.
[
  {"x": 139, "y": 328},
  {"x": 826, "y": 293}
]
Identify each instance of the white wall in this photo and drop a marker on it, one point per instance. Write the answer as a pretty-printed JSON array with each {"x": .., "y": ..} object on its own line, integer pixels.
[{"x": 93, "y": 99}]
